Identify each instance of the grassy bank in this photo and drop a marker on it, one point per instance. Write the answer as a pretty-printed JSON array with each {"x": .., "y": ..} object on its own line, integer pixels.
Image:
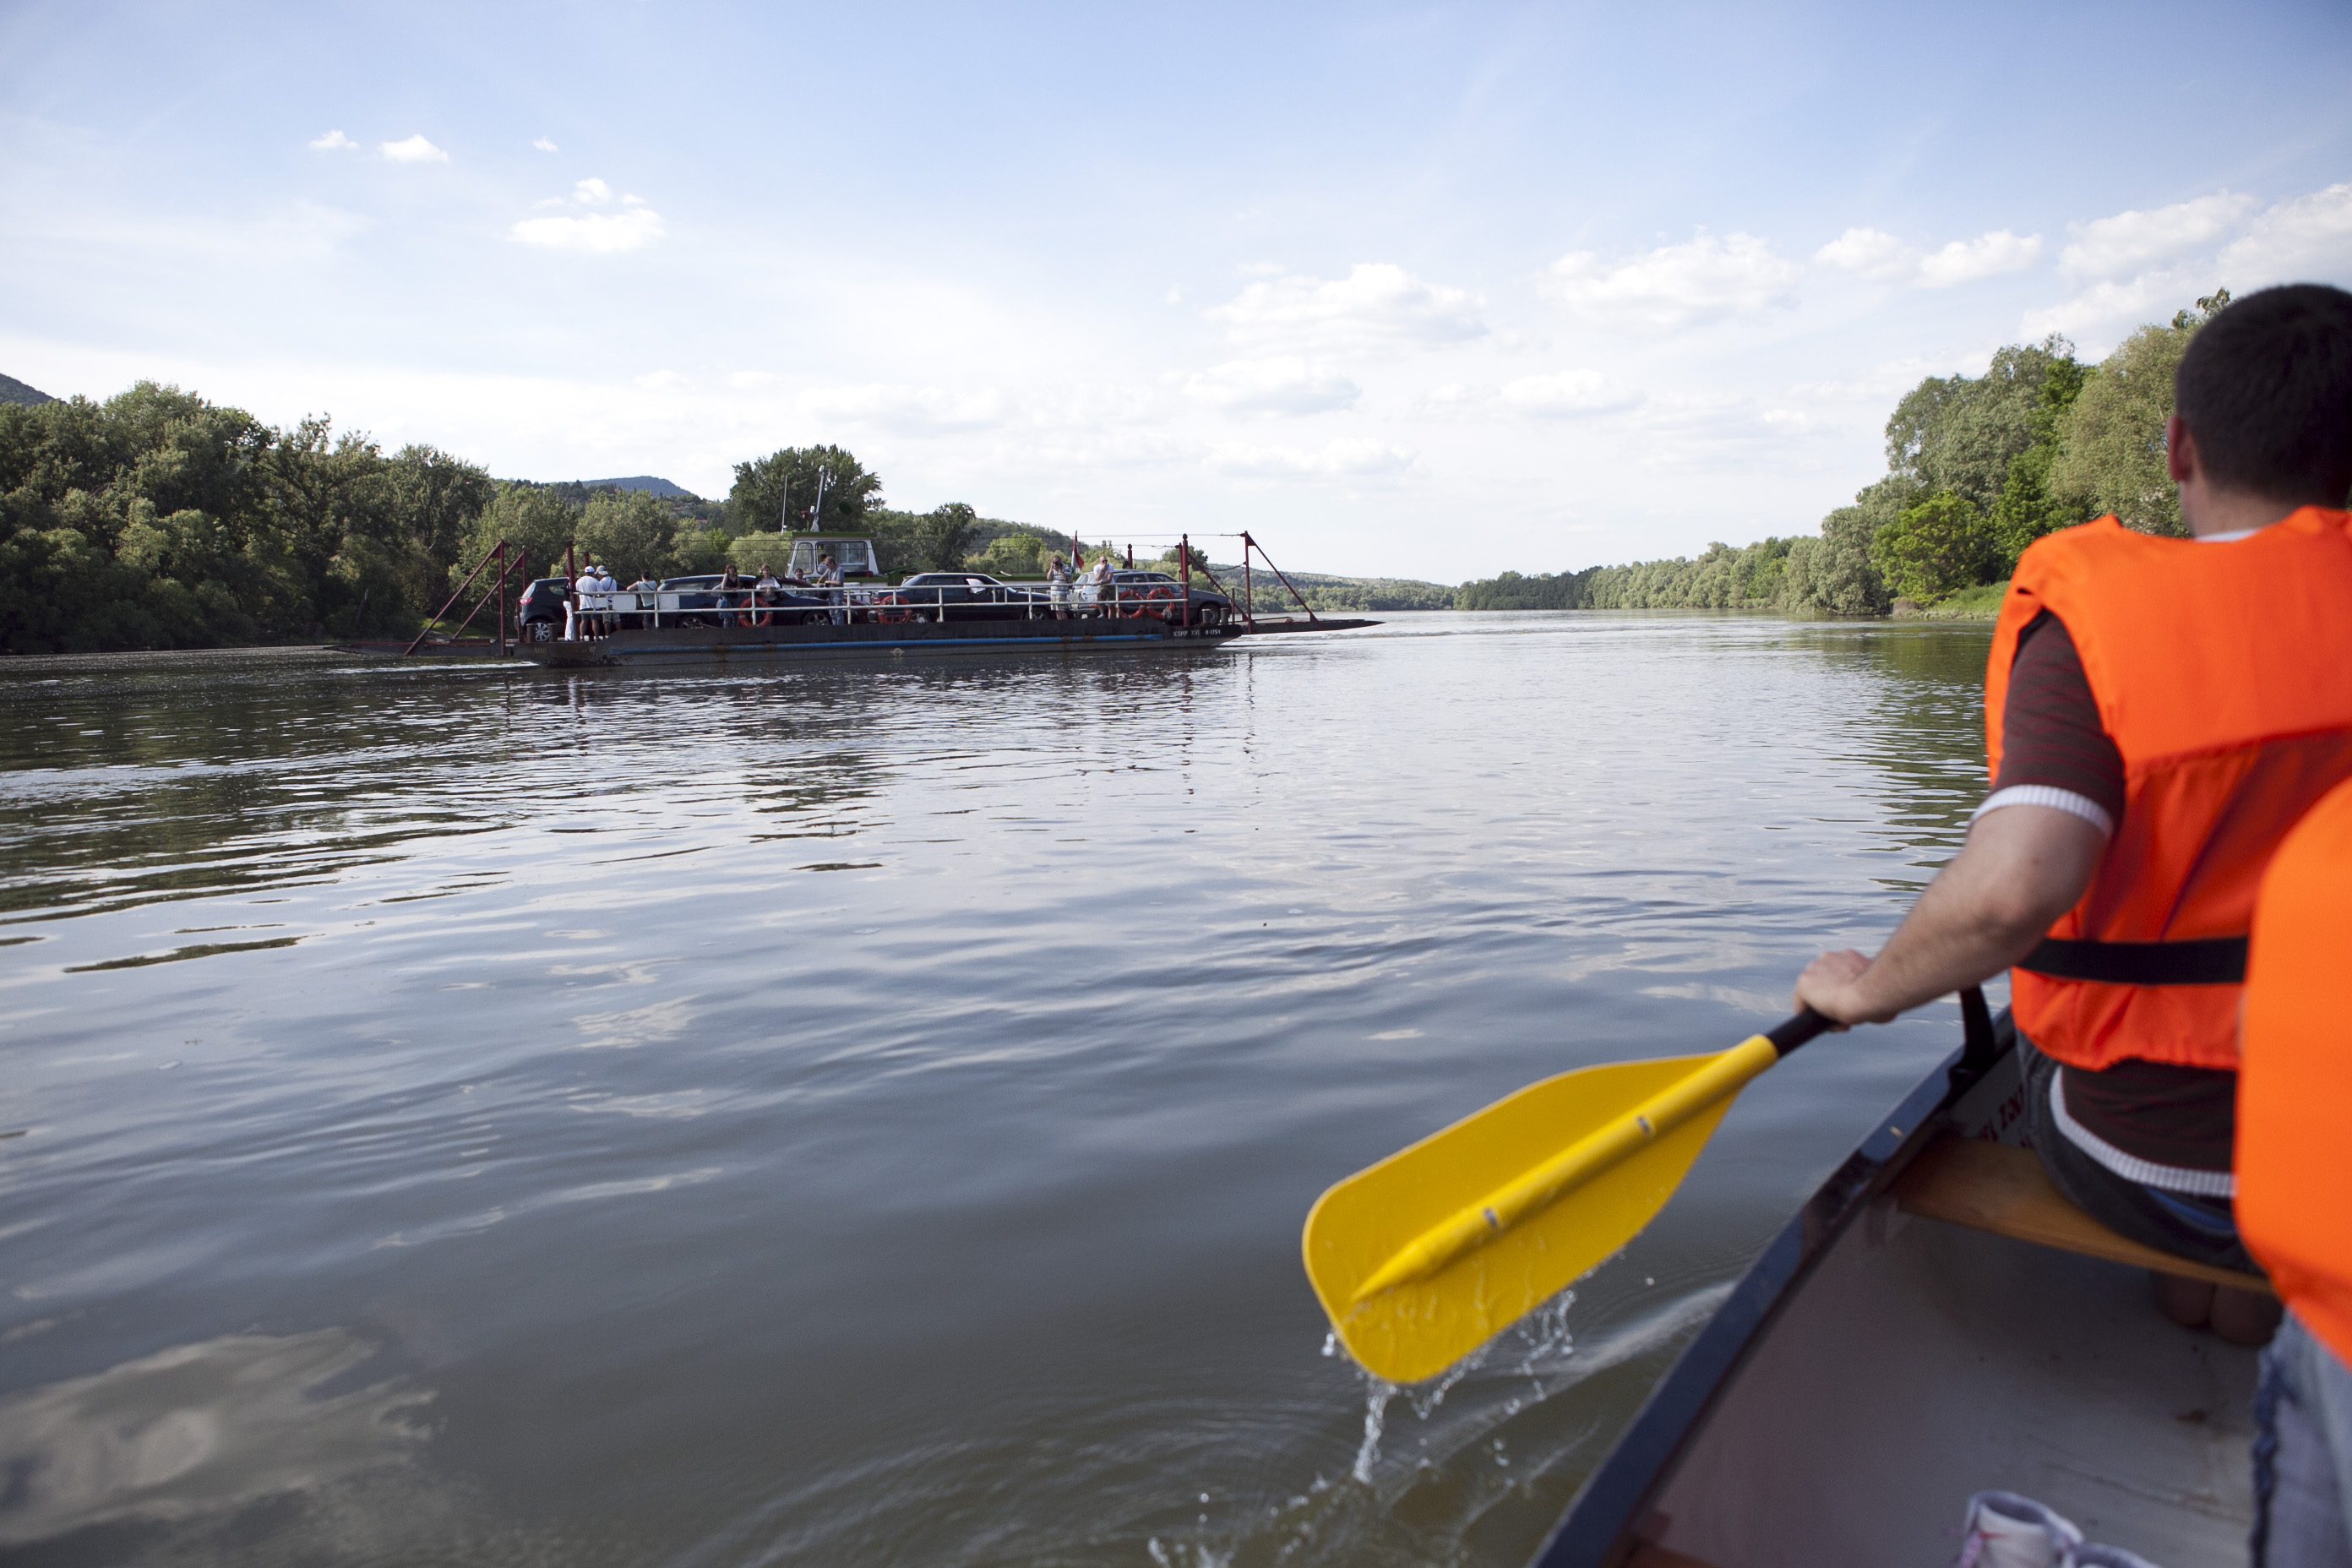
[{"x": 1982, "y": 603}]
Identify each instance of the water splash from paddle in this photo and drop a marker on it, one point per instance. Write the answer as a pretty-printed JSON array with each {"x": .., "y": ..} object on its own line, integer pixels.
[{"x": 1376, "y": 1415}]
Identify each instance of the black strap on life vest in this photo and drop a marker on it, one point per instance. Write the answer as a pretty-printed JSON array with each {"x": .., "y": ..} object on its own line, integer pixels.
[{"x": 2207, "y": 961}]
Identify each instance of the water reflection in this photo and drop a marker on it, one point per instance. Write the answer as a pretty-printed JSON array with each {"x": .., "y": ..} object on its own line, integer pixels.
[
  {"x": 865, "y": 1114},
  {"x": 197, "y": 1429}
]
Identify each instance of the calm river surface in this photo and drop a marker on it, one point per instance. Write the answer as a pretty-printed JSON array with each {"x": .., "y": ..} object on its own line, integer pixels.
[{"x": 861, "y": 1116}]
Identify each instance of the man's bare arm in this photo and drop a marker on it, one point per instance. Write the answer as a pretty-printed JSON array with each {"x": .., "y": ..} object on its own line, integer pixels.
[{"x": 2021, "y": 867}]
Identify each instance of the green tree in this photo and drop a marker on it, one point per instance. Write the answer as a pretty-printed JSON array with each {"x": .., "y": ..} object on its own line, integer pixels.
[
  {"x": 1960, "y": 434},
  {"x": 530, "y": 517},
  {"x": 946, "y": 536},
  {"x": 767, "y": 488},
  {"x": 1015, "y": 554},
  {"x": 1513, "y": 590},
  {"x": 436, "y": 497},
  {"x": 628, "y": 532},
  {"x": 1834, "y": 574},
  {"x": 1935, "y": 548},
  {"x": 2111, "y": 441},
  {"x": 157, "y": 519},
  {"x": 696, "y": 550}
]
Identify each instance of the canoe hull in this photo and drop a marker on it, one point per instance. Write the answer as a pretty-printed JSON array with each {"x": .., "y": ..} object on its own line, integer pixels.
[{"x": 1873, "y": 1369}]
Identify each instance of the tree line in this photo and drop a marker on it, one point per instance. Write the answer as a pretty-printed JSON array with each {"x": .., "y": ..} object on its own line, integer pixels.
[
  {"x": 158, "y": 520},
  {"x": 1977, "y": 468}
]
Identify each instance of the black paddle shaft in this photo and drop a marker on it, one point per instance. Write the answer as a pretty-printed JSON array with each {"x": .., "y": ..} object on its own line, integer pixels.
[
  {"x": 1787, "y": 1036},
  {"x": 1792, "y": 1032}
]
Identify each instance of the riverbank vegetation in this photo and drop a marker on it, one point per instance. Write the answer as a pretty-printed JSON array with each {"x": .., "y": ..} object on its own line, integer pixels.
[
  {"x": 1977, "y": 468},
  {"x": 158, "y": 520}
]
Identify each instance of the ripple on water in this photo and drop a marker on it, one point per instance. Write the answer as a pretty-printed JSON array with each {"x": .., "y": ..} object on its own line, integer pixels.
[{"x": 865, "y": 1115}]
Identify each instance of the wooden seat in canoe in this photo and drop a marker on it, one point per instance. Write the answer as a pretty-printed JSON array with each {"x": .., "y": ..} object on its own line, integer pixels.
[{"x": 1996, "y": 1187}]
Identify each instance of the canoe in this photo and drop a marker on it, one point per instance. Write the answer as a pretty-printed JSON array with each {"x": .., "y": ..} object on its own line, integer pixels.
[{"x": 1938, "y": 1320}]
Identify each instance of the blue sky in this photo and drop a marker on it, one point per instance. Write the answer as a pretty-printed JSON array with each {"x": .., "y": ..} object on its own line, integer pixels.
[{"x": 1431, "y": 291}]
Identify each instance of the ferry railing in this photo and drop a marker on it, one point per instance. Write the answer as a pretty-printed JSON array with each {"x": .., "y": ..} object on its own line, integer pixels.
[{"x": 592, "y": 614}]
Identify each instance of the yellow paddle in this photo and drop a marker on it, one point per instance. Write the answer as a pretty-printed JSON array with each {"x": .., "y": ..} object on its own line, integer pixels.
[{"x": 1426, "y": 1256}]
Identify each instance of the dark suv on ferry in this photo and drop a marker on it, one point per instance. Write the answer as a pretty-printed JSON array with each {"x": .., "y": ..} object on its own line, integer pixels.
[{"x": 540, "y": 613}]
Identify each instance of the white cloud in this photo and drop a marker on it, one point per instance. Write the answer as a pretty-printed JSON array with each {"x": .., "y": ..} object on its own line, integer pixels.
[
  {"x": 751, "y": 380},
  {"x": 546, "y": 145},
  {"x": 416, "y": 150},
  {"x": 592, "y": 192},
  {"x": 1969, "y": 260},
  {"x": 1875, "y": 254},
  {"x": 1347, "y": 457},
  {"x": 1565, "y": 392},
  {"x": 1282, "y": 385},
  {"x": 1675, "y": 285},
  {"x": 2296, "y": 241},
  {"x": 1378, "y": 306},
  {"x": 2150, "y": 297},
  {"x": 334, "y": 141},
  {"x": 1562, "y": 394},
  {"x": 917, "y": 409},
  {"x": 2308, "y": 240},
  {"x": 2131, "y": 241},
  {"x": 664, "y": 381},
  {"x": 631, "y": 230},
  {"x": 1119, "y": 449},
  {"x": 1869, "y": 252}
]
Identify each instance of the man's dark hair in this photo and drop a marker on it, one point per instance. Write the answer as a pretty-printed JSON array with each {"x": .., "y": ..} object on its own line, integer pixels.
[{"x": 2265, "y": 387}]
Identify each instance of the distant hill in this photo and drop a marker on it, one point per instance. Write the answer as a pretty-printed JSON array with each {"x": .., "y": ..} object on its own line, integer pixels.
[
  {"x": 1325, "y": 591},
  {"x": 662, "y": 489},
  {"x": 15, "y": 390}
]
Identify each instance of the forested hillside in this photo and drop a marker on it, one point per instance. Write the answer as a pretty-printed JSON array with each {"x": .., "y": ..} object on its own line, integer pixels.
[
  {"x": 1978, "y": 468},
  {"x": 158, "y": 520}
]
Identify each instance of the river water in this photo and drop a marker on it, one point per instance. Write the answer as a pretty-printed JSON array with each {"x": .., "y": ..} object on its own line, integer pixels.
[{"x": 469, "y": 1115}]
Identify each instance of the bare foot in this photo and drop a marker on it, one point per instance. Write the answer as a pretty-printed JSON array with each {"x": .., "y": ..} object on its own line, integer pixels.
[{"x": 2188, "y": 1302}]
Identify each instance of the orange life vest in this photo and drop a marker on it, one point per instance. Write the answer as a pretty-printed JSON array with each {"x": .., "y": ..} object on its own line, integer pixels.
[
  {"x": 2223, "y": 674},
  {"x": 2294, "y": 1163}
]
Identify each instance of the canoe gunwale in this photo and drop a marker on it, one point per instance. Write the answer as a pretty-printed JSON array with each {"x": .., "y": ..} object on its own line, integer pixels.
[{"x": 1598, "y": 1528}]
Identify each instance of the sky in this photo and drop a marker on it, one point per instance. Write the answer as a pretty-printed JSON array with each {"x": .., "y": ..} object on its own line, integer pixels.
[{"x": 1430, "y": 291}]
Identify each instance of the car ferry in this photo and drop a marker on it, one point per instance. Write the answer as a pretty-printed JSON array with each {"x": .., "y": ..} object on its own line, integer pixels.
[{"x": 857, "y": 613}]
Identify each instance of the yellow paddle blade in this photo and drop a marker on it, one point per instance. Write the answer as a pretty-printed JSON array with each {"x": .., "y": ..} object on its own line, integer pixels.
[{"x": 1423, "y": 1257}]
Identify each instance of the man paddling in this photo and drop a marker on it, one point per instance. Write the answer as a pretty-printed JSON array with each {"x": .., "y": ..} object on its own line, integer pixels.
[{"x": 2159, "y": 713}]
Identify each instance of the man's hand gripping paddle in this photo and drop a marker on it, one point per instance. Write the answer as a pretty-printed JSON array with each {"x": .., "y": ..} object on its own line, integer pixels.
[{"x": 1426, "y": 1256}]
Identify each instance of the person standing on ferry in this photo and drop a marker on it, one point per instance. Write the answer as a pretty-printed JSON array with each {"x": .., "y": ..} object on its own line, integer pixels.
[
  {"x": 2159, "y": 713},
  {"x": 1057, "y": 588},
  {"x": 588, "y": 593},
  {"x": 1106, "y": 586},
  {"x": 827, "y": 576}
]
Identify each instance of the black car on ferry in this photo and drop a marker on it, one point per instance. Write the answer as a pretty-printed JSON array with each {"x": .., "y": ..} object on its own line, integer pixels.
[{"x": 538, "y": 615}]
